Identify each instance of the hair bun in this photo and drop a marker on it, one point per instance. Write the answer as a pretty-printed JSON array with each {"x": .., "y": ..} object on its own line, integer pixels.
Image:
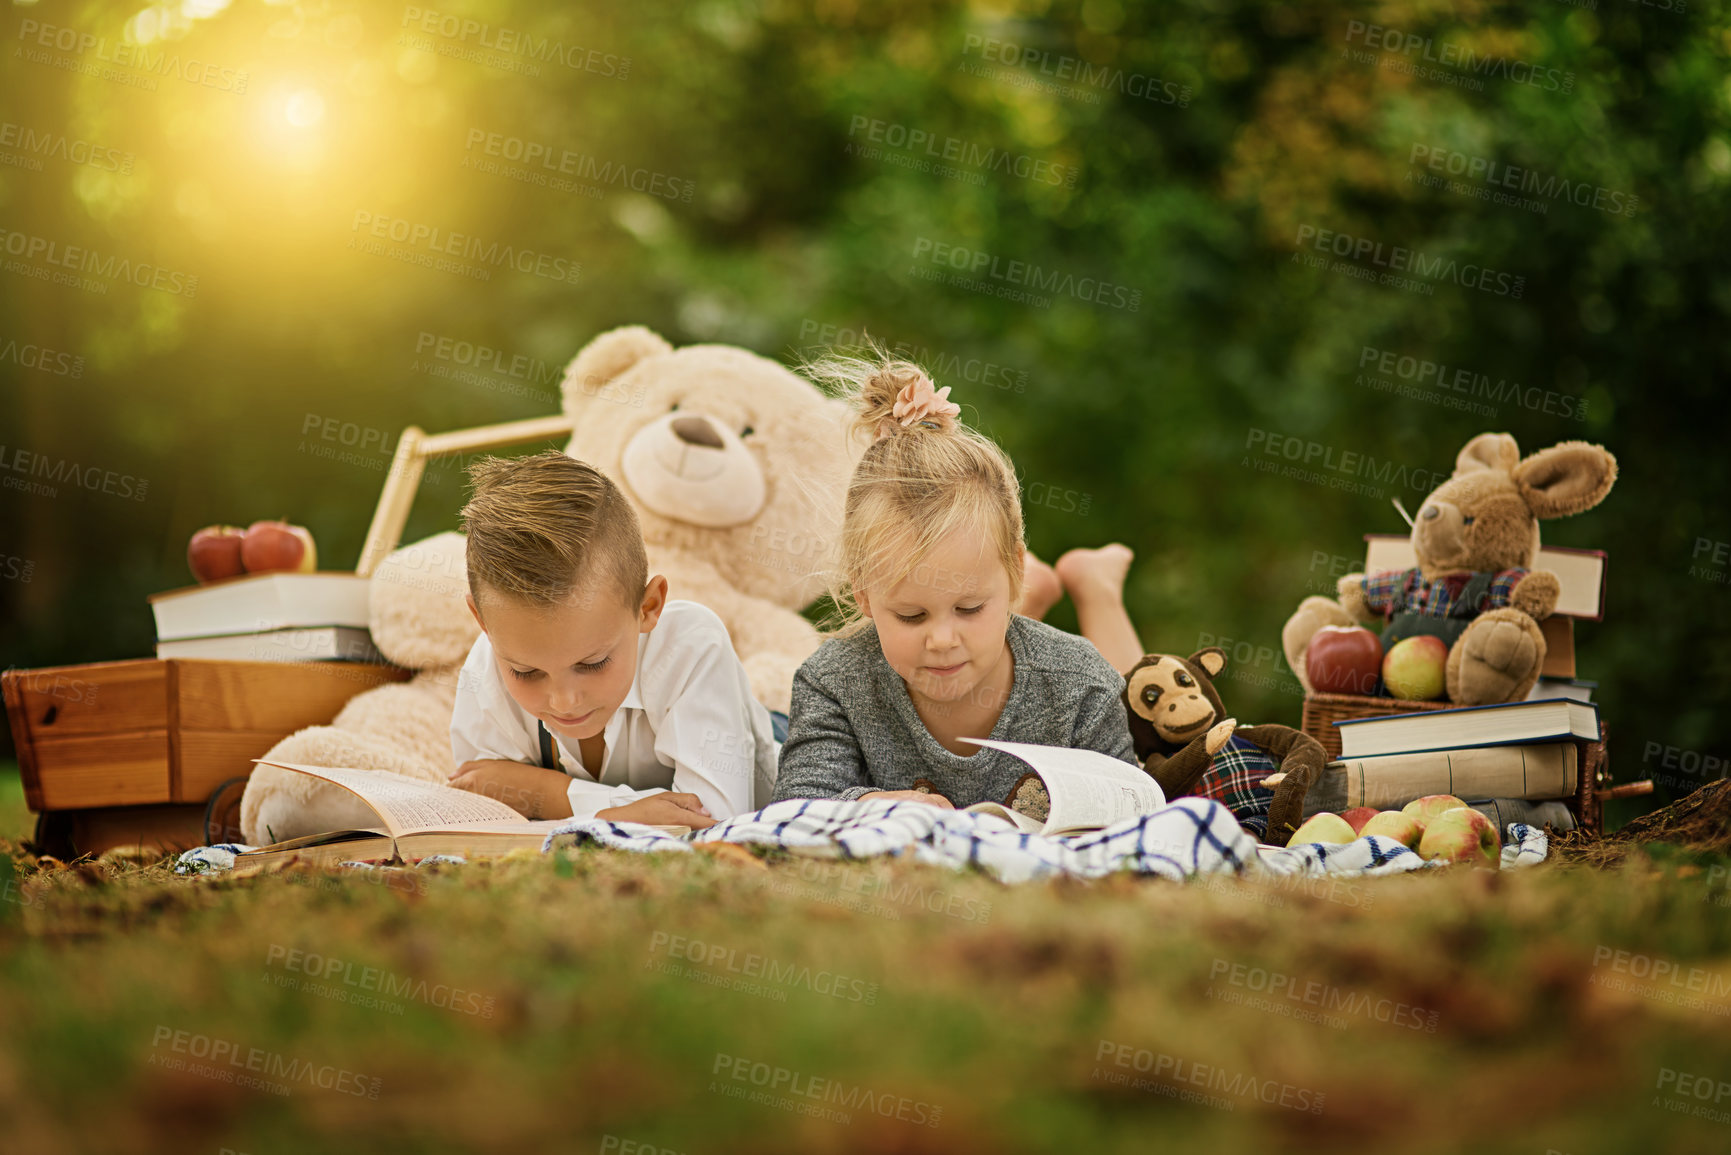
[
  {"x": 889, "y": 396},
  {"x": 917, "y": 403}
]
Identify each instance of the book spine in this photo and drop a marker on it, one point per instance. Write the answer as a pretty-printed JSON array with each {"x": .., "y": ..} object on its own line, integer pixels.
[{"x": 1529, "y": 772}]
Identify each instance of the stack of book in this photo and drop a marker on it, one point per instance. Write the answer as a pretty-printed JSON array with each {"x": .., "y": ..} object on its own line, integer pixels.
[
  {"x": 1517, "y": 761},
  {"x": 268, "y": 617}
]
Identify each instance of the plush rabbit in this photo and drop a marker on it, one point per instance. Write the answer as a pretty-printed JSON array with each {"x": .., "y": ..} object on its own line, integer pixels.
[{"x": 1474, "y": 587}]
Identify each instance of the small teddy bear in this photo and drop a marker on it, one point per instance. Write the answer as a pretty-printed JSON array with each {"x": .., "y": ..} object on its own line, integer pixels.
[
  {"x": 1180, "y": 731},
  {"x": 1475, "y": 538}
]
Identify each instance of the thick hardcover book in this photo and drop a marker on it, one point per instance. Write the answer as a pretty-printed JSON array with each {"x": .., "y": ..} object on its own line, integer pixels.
[
  {"x": 1509, "y": 723},
  {"x": 262, "y": 601},
  {"x": 313, "y": 644},
  {"x": 1536, "y": 772}
]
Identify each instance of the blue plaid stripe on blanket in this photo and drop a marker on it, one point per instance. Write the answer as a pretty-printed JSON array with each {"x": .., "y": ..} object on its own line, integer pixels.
[{"x": 1188, "y": 837}]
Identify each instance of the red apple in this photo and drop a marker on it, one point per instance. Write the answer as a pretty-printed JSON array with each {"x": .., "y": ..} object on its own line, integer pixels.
[
  {"x": 1403, "y": 828},
  {"x": 214, "y": 553},
  {"x": 1415, "y": 666},
  {"x": 1426, "y": 809},
  {"x": 277, "y": 545},
  {"x": 1343, "y": 660},
  {"x": 1462, "y": 835},
  {"x": 1358, "y": 816}
]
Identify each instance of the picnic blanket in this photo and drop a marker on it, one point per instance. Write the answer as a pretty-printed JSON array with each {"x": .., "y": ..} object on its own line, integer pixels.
[
  {"x": 1187, "y": 837},
  {"x": 1190, "y": 836}
]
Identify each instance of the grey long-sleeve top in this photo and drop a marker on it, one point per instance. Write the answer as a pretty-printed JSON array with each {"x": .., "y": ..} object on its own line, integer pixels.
[{"x": 853, "y": 729}]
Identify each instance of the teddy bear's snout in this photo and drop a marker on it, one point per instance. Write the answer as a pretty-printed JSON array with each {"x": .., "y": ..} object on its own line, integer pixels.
[
  {"x": 691, "y": 468},
  {"x": 698, "y": 431}
]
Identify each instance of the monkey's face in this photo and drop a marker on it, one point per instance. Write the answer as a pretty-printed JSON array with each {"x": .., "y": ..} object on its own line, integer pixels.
[{"x": 1171, "y": 698}]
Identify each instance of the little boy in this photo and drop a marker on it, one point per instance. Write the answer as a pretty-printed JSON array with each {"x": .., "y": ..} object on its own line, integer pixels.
[{"x": 589, "y": 693}]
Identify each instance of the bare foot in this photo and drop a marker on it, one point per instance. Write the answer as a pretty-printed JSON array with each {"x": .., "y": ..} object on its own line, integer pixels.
[
  {"x": 1040, "y": 587},
  {"x": 1095, "y": 574},
  {"x": 1094, "y": 579}
]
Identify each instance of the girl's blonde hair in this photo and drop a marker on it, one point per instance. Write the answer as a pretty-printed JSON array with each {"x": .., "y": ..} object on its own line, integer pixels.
[{"x": 915, "y": 484}]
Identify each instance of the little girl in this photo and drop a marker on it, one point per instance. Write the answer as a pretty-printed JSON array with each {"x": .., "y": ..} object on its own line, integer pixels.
[{"x": 933, "y": 651}]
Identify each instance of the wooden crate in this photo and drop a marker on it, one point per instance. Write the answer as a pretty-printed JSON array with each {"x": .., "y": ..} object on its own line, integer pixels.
[
  {"x": 153, "y": 732},
  {"x": 166, "y": 829}
]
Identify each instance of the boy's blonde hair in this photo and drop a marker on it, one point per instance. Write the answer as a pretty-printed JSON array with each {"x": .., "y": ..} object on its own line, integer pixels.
[
  {"x": 546, "y": 529},
  {"x": 915, "y": 484}
]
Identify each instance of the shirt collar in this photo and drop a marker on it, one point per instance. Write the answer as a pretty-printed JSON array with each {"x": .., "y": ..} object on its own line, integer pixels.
[{"x": 633, "y": 696}]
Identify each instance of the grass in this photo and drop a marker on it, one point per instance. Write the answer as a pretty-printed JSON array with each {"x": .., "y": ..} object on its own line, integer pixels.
[
  {"x": 536, "y": 1002},
  {"x": 16, "y": 821}
]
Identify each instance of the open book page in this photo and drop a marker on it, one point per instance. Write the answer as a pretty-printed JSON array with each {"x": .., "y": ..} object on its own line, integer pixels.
[
  {"x": 1088, "y": 789},
  {"x": 406, "y": 805},
  {"x": 1015, "y": 818},
  {"x": 517, "y": 825}
]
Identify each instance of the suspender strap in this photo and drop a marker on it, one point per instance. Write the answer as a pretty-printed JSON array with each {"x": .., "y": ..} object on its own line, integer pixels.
[
  {"x": 1466, "y": 605},
  {"x": 548, "y": 761}
]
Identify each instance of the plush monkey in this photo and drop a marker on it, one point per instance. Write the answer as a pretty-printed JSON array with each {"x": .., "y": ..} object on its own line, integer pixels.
[{"x": 1189, "y": 746}]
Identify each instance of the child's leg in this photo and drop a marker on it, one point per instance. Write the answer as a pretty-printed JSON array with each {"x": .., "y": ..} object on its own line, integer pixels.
[
  {"x": 1094, "y": 579},
  {"x": 1041, "y": 588}
]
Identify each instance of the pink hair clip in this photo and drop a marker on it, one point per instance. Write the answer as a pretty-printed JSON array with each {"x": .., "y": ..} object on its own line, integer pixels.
[{"x": 919, "y": 402}]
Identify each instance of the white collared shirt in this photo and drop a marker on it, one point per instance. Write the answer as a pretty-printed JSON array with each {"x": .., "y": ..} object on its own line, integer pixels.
[{"x": 689, "y": 723}]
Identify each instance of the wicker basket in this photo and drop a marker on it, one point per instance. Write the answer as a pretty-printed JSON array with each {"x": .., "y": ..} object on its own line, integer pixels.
[{"x": 1322, "y": 711}]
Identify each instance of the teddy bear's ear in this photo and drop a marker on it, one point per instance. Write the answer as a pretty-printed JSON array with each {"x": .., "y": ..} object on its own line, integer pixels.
[
  {"x": 609, "y": 355},
  {"x": 1496, "y": 451},
  {"x": 1212, "y": 659},
  {"x": 1570, "y": 477}
]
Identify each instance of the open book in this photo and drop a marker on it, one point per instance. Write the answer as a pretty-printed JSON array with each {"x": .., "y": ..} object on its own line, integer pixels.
[
  {"x": 1087, "y": 789},
  {"x": 416, "y": 819}
]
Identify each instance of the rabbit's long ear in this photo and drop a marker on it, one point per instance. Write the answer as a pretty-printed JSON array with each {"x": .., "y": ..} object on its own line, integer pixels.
[
  {"x": 1496, "y": 451},
  {"x": 1570, "y": 477}
]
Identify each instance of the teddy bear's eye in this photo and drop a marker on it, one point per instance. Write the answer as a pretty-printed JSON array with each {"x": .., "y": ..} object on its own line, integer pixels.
[
  {"x": 1466, "y": 521},
  {"x": 675, "y": 408},
  {"x": 747, "y": 431},
  {"x": 1184, "y": 679},
  {"x": 1151, "y": 694}
]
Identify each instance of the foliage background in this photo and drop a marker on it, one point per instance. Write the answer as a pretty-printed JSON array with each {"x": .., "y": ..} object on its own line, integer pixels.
[{"x": 1146, "y": 413}]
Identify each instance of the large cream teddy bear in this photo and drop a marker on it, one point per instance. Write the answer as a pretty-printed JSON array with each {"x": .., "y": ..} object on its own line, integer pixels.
[{"x": 737, "y": 470}]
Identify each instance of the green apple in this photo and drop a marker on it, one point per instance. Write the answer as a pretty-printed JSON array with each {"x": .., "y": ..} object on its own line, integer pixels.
[
  {"x": 1325, "y": 827},
  {"x": 1426, "y": 808},
  {"x": 1414, "y": 668},
  {"x": 1403, "y": 828},
  {"x": 1462, "y": 835}
]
